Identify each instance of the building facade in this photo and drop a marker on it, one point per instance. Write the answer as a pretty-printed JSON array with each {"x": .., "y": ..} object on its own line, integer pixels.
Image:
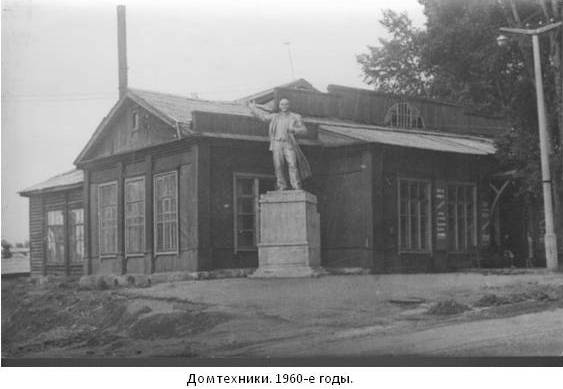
[{"x": 172, "y": 184}]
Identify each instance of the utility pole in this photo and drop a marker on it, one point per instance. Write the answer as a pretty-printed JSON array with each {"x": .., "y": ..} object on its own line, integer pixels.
[{"x": 550, "y": 238}]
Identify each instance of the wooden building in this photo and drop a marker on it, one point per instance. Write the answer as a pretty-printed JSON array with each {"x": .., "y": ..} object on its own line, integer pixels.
[
  {"x": 56, "y": 225},
  {"x": 172, "y": 184}
]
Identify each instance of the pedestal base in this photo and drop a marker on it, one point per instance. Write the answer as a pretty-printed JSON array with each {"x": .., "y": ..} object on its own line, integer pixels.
[
  {"x": 288, "y": 272},
  {"x": 289, "y": 235}
]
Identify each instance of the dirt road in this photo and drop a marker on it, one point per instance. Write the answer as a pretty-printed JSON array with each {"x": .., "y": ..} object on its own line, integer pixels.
[{"x": 427, "y": 314}]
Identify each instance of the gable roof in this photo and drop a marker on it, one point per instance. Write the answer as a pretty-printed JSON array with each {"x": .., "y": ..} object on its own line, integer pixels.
[
  {"x": 174, "y": 110},
  {"x": 179, "y": 108},
  {"x": 178, "y": 112},
  {"x": 67, "y": 180}
]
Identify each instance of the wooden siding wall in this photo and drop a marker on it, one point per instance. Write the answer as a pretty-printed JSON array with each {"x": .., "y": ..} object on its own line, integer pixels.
[
  {"x": 226, "y": 159},
  {"x": 309, "y": 103},
  {"x": 36, "y": 236},
  {"x": 231, "y": 124},
  {"x": 39, "y": 205},
  {"x": 177, "y": 158},
  {"x": 417, "y": 164},
  {"x": 345, "y": 206},
  {"x": 205, "y": 122},
  {"x": 370, "y": 108}
]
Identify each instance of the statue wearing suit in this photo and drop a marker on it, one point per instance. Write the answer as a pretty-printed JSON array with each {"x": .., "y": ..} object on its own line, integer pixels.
[{"x": 285, "y": 150}]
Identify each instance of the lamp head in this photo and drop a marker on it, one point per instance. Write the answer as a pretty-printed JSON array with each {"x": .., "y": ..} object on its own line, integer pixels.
[{"x": 502, "y": 40}]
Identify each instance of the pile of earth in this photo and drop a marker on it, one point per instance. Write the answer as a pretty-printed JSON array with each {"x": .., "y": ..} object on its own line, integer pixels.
[{"x": 60, "y": 317}]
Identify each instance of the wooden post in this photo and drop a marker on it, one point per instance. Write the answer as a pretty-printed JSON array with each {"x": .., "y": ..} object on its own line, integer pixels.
[
  {"x": 66, "y": 220},
  {"x": 87, "y": 226},
  {"x": 149, "y": 231},
  {"x": 120, "y": 219}
]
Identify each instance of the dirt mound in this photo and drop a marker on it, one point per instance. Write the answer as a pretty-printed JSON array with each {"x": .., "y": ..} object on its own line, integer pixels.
[
  {"x": 66, "y": 320},
  {"x": 174, "y": 324},
  {"x": 539, "y": 293},
  {"x": 447, "y": 307},
  {"x": 490, "y": 300}
]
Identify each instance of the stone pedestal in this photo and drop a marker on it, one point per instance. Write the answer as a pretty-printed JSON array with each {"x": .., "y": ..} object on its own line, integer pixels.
[{"x": 289, "y": 243}]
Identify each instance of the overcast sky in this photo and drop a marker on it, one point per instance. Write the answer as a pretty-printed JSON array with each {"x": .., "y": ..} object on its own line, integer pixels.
[{"x": 59, "y": 66}]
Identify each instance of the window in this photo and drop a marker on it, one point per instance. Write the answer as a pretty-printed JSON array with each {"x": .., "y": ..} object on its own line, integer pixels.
[
  {"x": 135, "y": 121},
  {"x": 166, "y": 212},
  {"x": 414, "y": 215},
  {"x": 462, "y": 233},
  {"x": 76, "y": 238},
  {"x": 55, "y": 237},
  {"x": 248, "y": 189},
  {"x": 107, "y": 203},
  {"x": 403, "y": 115},
  {"x": 135, "y": 215}
]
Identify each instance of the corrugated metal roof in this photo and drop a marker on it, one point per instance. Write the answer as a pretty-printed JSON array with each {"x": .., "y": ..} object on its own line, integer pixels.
[
  {"x": 416, "y": 139},
  {"x": 58, "y": 182},
  {"x": 179, "y": 108}
]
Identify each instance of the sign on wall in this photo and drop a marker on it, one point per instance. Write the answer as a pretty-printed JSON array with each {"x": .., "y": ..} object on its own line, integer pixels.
[
  {"x": 485, "y": 223},
  {"x": 440, "y": 216}
]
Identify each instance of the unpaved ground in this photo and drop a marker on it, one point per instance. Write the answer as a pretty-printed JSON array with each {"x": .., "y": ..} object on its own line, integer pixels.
[{"x": 451, "y": 314}]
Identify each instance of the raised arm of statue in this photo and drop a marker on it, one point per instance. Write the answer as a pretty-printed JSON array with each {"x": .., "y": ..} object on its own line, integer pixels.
[{"x": 265, "y": 117}]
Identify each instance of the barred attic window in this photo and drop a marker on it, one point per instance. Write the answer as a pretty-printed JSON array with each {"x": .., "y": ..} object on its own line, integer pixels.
[{"x": 403, "y": 115}]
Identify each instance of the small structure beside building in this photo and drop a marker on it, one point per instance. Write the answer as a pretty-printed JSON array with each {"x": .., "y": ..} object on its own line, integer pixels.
[{"x": 56, "y": 225}]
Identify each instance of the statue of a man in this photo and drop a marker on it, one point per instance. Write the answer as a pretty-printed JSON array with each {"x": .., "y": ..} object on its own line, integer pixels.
[{"x": 285, "y": 150}]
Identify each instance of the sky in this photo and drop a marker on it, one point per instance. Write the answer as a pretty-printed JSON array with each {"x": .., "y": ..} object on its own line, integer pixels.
[{"x": 59, "y": 66}]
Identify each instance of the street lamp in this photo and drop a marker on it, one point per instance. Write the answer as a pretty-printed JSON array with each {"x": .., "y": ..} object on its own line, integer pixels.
[{"x": 550, "y": 239}]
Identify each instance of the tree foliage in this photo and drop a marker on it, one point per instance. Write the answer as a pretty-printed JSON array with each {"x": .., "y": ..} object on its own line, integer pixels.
[
  {"x": 456, "y": 57},
  {"x": 6, "y": 246}
]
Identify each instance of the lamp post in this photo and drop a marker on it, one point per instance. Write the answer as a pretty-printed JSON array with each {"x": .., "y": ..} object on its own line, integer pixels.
[{"x": 550, "y": 239}]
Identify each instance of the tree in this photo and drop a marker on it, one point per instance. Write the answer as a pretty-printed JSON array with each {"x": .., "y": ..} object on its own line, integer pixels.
[
  {"x": 456, "y": 58},
  {"x": 6, "y": 246},
  {"x": 396, "y": 66}
]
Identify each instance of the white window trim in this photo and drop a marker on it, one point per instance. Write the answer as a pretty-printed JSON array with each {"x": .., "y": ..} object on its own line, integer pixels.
[
  {"x": 47, "y": 225},
  {"x": 83, "y": 234},
  {"x": 475, "y": 242},
  {"x": 255, "y": 176},
  {"x": 100, "y": 186},
  {"x": 155, "y": 235},
  {"x": 401, "y": 250},
  {"x": 126, "y": 235}
]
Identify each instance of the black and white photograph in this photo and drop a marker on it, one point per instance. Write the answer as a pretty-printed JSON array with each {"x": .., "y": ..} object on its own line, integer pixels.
[{"x": 314, "y": 183}]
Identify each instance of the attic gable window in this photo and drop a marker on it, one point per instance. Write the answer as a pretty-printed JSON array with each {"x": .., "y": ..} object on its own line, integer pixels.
[
  {"x": 135, "y": 121},
  {"x": 403, "y": 115}
]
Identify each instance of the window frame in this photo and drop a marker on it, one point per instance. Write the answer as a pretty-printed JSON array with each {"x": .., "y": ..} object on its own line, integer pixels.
[
  {"x": 475, "y": 242},
  {"x": 101, "y": 253},
  {"x": 155, "y": 221},
  {"x": 71, "y": 232},
  {"x": 256, "y": 190},
  {"x": 48, "y": 260},
  {"x": 125, "y": 225},
  {"x": 414, "y": 114},
  {"x": 429, "y": 222}
]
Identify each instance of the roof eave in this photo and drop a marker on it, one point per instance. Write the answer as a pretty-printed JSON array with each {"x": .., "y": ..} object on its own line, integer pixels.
[{"x": 36, "y": 192}]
